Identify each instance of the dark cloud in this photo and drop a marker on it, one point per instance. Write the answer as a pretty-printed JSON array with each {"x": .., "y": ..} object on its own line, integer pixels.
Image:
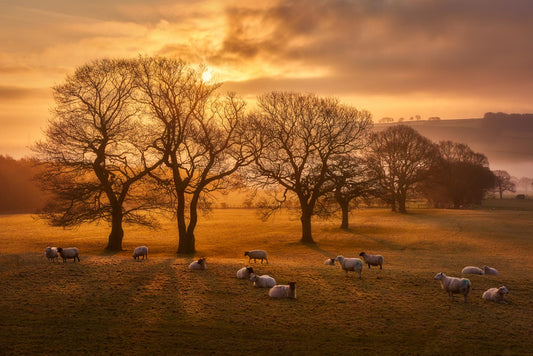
[{"x": 384, "y": 46}]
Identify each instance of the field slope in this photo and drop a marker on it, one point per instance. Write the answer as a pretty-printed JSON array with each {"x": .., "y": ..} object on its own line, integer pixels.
[{"x": 110, "y": 304}]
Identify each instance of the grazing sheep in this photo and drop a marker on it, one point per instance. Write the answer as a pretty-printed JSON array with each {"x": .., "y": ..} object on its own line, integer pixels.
[
  {"x": 330, "y": 262},
  {"x": 453, "y": 285},
  {"x": 245, "y": 272},
  {"x": 140, "y": 251},
  {"x": 350, "y": 264},
  {"x": 496, "y": 294},
  {"x": 489, "y": 271},
  {"x": 264, "y": 281},
  {"x": 67, "y": 253},
  {"x": 51, "y": 253},
  {"x": 372, "y": 260},
  {"x": 198, "y": 265},
  {"x": 472, "y": 270},
  {"x": 256, "y": 255},
  {"x": 283, "y": 291}
]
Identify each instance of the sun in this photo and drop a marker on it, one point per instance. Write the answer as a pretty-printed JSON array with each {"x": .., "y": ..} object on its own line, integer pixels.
[{"x": 207, "y": 75}]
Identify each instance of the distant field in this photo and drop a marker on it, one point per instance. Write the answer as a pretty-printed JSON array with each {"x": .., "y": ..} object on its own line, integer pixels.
[{"x": 110, "y": 304}]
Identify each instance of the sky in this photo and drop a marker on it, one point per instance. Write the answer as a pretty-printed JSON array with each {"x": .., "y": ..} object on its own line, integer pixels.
[{"x": 451, "y": 58}]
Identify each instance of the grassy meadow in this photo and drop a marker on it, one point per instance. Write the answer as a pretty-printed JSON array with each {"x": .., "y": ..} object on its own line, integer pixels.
[{"x": 111, "y": 304}]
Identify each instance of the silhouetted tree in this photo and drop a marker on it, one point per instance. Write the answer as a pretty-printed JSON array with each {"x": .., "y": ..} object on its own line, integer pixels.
[
  {"x": 400, "y": 158},
  {"x": 94, "y": 150},
  {"x": 503, "y": 182},
  {"x": 461, "y": 178},
  {"x": 349, "y": 176},
  {"x": 299, "y": 137},
  {"x": 199, "y": 137}
]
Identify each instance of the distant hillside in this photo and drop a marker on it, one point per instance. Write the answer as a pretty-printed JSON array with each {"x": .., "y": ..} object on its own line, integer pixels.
[{"x": 506, "y": 141}]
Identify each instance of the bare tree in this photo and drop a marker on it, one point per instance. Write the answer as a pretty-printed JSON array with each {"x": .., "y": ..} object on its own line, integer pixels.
[
  {"x": 461, "y": 177},
  {"x": 503, "y": 182},
  {"x": 298, "y": 138},
  {"x": 400, "y": 158},
  {"x": 94, "y": 152},
  {"x": 199, "y": 136}
]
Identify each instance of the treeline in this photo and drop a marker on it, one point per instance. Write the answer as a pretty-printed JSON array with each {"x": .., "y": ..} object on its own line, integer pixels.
[
  {"x": 501, "y": 115},
  {"x": 132, "y": 137},
  {"x": 19, "y": 193}
]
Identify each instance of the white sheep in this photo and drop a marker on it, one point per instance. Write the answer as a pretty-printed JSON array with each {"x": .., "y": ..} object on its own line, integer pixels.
[
  {"x": 245, "y": 272},
  {"x": 372, "y": 260},
  {"x": 472, "y": 270},
  {"x": 329, "y": 262},
  {"x": 453, "y": 285},
  {"x": 350, "y": 264},
  {"x": 489, "y": 271},
  {"x": 198, "y": 265},
  {"x": 67, "y": 253},
  {"x": 256, "y": 255},
  {"x": 283, "y": 291},
  {"x": 51, "y": 253},
  {"x": 140, "y": 251},
  {"x": 264, "y": 281},
  {"x": 496, "y": 294}
]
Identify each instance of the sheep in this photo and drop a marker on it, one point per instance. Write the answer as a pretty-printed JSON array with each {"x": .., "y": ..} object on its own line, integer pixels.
[
  {"x": 350, "y": 264},
  {"x": 67, "y": 253},
  {"x": 140, "y": 251},
  {"x": 472, "y": 270},
  {"x": 372, "y": 260},
  {"x": 264, "y": 281},
  {"x": 256, "y": 255},
  {"x": 454, "y": 285},
  {"x": 330, "y": 262},
  {"x": 283, "y": 291},
  {"x": 489, "y": 271},
  {"x": 245, "y": 272},
  {"x": 496, "y": 294},
  {"x": 51, "y": 253},
  {"x": 198, "y": 265}
]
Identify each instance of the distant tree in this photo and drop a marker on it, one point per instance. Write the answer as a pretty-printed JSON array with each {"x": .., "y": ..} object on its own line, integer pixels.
[
  {"x": 461, "y": 178},
  {"x": 94, "y": 152},
  {"x": 384, "y": 120},
  {"x": 434, "y": 118},
  {"x": 350, "y": 179},
  {"x": 525, "y": 184},
  {"x": 299, "y": 139},
  {"x": 199, "y": 137},
  {"x": 503, "y": 182},
  {"x": 399, "y": 160},
  {"x": 18, "y": 192},
  {"x": 418, "y": 117},
  {"x": 401, "y": 119}
]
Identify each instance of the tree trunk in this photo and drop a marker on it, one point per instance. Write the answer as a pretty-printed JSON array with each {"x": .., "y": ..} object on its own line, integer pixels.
[
  {"x": 345, "y": 208},
  {"x": 307, "y": 237},
  {"x": 184, "y": 241},
  {"x": 117, "y": 233},
  {"x": 188, "y": 243},
  {"x": 401, "y": 205}
]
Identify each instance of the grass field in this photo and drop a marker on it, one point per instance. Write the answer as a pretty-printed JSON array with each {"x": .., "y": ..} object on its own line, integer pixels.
[{"x": 111, "y": 304}]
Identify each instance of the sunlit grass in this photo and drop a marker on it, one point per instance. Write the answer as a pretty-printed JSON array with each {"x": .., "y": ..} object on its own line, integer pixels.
[{"x": 111, "y": 304}]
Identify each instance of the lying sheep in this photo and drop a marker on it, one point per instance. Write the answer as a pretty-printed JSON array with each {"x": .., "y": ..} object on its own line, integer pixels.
[
  {"x": 496, "y": 294},
  {"x": 350, "y": 264},
  {"x": 489, "y": 271},
  {"x": 330, "y": 262},
  {"x": 51, "y": 253},
  {"x": 453, "y": 285},
  {"x": 140, "y": 251},
  {"x": 198, "y": 265},
  {"x": 67, "y": 253},
  {"x": 264, "y": 281},
  {"x": 256, "y": 255},
  {"x": 283, "y": 291},
  {"x": 245, "y": 272},
  {"x": 472, "y": 270},
  {"x": 372, "y": 260}
]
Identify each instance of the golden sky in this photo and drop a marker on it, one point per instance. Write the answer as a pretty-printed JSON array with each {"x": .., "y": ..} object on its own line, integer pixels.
[{"x": 448, "y": 58}]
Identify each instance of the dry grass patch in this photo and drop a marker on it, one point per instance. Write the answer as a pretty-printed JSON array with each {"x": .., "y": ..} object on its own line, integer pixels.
[{"x": 111, "y": 304}]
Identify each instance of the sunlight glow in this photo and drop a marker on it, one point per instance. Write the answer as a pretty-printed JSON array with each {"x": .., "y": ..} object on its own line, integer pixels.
[{"x": 207, "y": 75}]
